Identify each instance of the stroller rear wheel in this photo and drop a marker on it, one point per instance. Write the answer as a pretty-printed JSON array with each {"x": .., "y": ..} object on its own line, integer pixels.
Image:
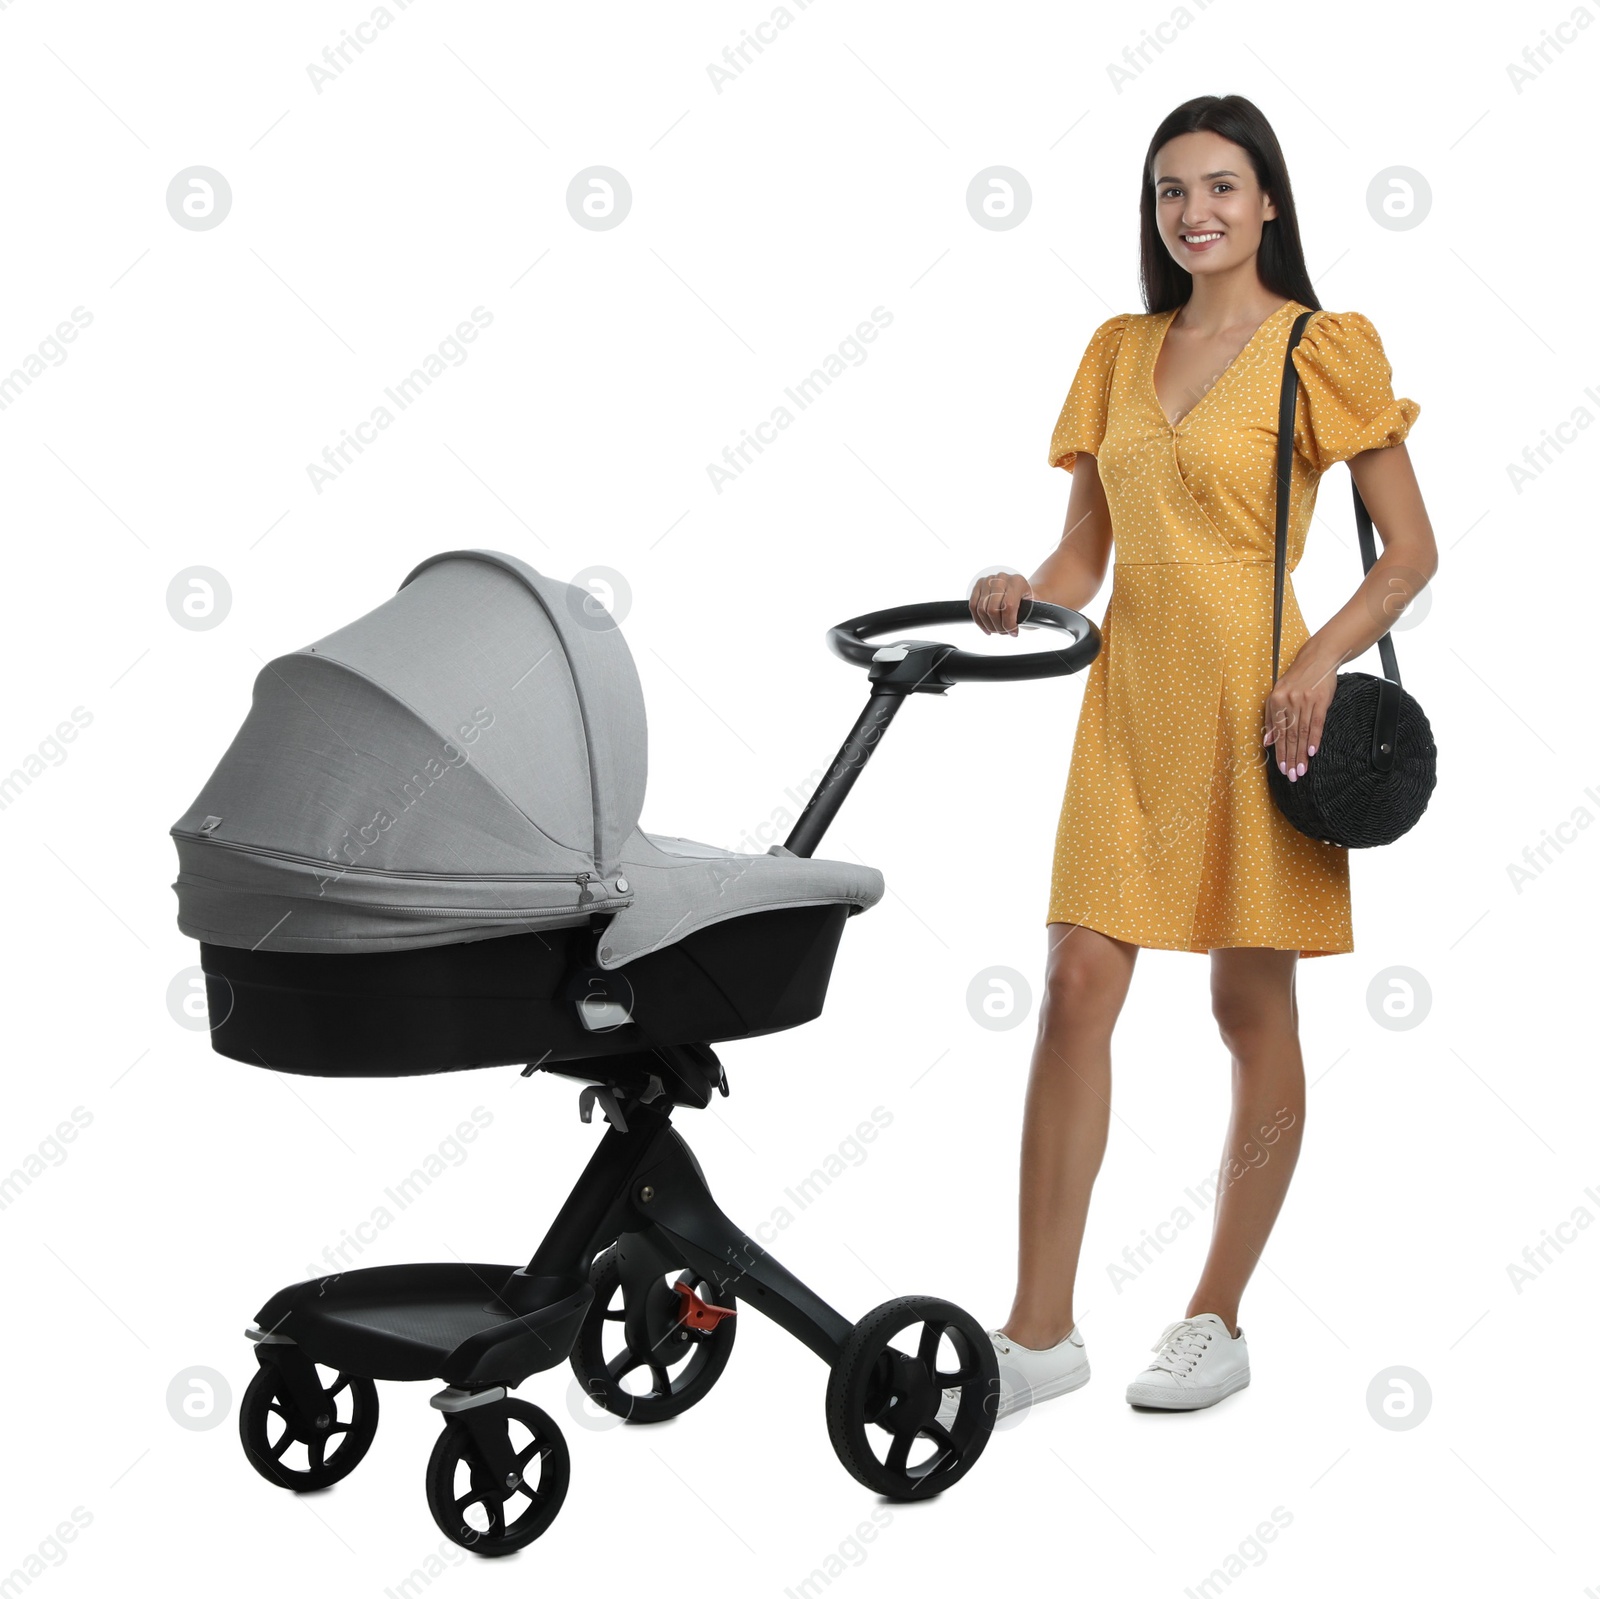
[
  {"x": 491, "y": 1489},
  {"x": 331, "y": 1435},
  {"x": 677, "y": 1336},
  {"x": 897, "y": 1392}
]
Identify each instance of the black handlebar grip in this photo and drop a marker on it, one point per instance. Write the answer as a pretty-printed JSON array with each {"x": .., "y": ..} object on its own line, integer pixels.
[{"x": 849, "y": 641}]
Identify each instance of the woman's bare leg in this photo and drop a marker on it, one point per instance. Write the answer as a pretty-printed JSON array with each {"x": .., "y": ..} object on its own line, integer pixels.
[
  {"x": 1253, "y": 999},
  {"x": 1065, "y": 1122}
]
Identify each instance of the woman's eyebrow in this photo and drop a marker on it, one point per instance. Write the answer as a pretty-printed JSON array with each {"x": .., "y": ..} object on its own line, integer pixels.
[{"x": 1204, "y": 175}]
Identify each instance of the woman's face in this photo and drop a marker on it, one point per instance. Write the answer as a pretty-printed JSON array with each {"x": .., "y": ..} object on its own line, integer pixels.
[{"x": 1209, "y": 206}]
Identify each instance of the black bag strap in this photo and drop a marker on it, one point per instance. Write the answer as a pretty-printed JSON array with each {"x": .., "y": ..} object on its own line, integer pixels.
[{"x": 1369, "y": 548}]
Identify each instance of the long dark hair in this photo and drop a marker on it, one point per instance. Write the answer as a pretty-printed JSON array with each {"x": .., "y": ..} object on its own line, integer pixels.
[{"x": 1280, "y": 262}]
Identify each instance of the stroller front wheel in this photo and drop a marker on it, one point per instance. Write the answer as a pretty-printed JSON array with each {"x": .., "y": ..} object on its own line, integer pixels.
[
  {"x": 277, "y": 1432},
  {"x": 491, "y": 1490}
]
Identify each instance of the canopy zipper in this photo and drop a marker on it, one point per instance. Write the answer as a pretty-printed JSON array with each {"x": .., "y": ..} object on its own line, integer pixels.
[{"x": 341, "y": 867}]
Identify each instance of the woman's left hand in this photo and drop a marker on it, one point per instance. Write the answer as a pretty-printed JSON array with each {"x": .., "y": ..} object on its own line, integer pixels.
[{"x": 1295, "y": 710}]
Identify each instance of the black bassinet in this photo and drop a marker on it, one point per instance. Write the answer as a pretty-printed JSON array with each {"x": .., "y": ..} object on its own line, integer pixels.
[{"x": 421, "y": 852}]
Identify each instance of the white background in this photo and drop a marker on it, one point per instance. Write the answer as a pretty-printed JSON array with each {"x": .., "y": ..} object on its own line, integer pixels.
[{"x": 768, "y": 219}]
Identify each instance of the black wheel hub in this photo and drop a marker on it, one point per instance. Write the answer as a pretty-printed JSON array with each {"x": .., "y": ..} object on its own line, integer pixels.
[{"x": 902, "y": 1395}]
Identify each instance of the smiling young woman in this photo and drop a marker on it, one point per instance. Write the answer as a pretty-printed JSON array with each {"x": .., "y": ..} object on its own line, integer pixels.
[{"x": 1169, "y": 838}]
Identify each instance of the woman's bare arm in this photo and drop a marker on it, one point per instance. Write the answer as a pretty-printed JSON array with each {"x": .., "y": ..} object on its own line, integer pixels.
[
  {"x": 1408, "y": 559},
  {"x": 1296, "y": 708}
]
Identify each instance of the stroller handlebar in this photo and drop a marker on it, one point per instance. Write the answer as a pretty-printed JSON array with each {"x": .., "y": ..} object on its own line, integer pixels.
[
  {"x": 924, "y": 666},
  {"x": 939, "y": 664}
]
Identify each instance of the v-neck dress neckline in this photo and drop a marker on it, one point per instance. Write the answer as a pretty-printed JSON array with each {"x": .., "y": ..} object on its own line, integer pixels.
[{"x": 1159, "y": 341}]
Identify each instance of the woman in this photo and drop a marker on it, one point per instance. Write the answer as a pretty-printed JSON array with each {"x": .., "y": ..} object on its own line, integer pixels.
[{"x": 1169, "y": 838}]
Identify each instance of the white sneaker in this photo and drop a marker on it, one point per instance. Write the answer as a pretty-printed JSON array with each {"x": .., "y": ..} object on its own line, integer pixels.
[
  {"x": 1197, "y": 1363},
  {"x": 1028, "y": 1376}
]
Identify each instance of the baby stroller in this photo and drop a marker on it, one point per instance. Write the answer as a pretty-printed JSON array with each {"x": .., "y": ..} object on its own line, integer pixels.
[{"x": 421, "y": 853}]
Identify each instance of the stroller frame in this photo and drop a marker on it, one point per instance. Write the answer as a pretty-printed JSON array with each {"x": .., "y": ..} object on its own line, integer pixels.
[{"x": 640, "y": 1210}]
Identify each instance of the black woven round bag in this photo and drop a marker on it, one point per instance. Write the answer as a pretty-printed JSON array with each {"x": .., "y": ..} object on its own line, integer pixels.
[
  {"x": 1376, "y": 765},
  {"x": 1343, "y": 797}
]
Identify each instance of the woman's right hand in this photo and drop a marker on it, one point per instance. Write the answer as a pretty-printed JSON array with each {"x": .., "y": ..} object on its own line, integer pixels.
[{"x": 995, "y": 600}]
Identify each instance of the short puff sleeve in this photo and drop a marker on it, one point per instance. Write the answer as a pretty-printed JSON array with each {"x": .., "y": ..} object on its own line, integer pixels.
[
  {"x": 1350, "y": 404},
  {"x": 1082, "y": 423}
]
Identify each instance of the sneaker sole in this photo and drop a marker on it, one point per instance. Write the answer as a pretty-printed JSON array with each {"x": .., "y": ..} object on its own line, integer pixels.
[
  {"x": 1036, "y": 1395},
  {"x": 1153, "y": 1398}
]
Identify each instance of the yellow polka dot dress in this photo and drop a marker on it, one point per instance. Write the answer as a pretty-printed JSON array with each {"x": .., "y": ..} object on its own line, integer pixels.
[{"x": 1169, "y": 837}]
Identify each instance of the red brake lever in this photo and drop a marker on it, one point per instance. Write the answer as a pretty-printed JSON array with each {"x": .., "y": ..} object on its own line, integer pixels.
[{"x": 694, "y": 1312}]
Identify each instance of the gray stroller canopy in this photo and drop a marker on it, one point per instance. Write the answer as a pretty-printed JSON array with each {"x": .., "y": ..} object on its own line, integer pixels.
[{"x": 466, "y": 761}]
